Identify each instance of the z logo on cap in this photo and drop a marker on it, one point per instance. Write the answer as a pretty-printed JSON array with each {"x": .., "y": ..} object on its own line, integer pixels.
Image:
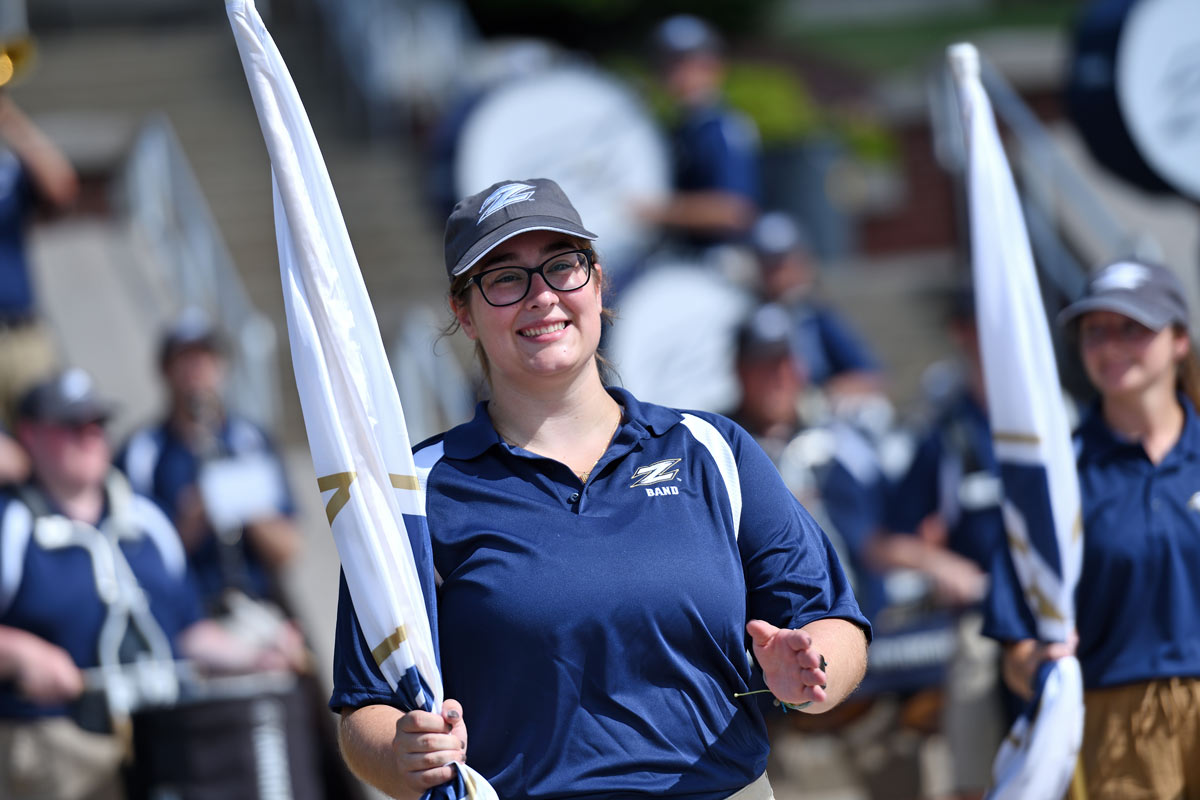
[
  {"x": 506, "y": 195},
  {"x": 1125, "y": 275}
]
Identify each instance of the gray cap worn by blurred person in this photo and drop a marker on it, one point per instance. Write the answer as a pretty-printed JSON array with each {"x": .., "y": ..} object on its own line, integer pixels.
[
  {"x": 777, "y": 234},
  {"x": 765, "y": 335},
  {"x": 1148, "y": 293},
  {"x": 684, "y": 35},
  {"x": 504, "y": 210},
  {"x": 69, "y": 397}
]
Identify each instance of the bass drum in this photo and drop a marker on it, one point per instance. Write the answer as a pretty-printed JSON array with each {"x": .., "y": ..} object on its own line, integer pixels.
[
  {"x": 586, "y": 131},
  {"x": 673, "y": 342},
  {"x": 1158, "y": 88}
]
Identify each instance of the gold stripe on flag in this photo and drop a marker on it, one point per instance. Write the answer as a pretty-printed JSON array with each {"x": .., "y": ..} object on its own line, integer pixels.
[
  {"x": 389, "y": 645},
  {"x": 1016, "y": 438},
  {"x": 404, "y": 482},
  {"x": 341, "y": 482}
]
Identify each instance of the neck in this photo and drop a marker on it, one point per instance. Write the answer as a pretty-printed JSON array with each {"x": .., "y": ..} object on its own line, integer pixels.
[
  {"x": 1153, "y": 418},
  {"x": 82, "y": 503},
  {"x": 544, "y": 418}
]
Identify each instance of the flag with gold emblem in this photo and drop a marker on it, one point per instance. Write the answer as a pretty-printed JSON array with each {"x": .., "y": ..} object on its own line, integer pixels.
[
  {"x": 356, "y": 429},
  {"x": 1032, "y": 439}
]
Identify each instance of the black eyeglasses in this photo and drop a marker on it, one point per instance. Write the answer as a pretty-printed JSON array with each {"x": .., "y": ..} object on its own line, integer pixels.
[{"x": 564, "y": 272}]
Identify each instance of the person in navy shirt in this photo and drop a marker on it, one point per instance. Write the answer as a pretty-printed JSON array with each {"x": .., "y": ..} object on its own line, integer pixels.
[
  {"x": 715, "y": 149},
  {"x": 605, "y": 564},
  {"x": 91, "y": 574},
  {"x": 165, "y": 462},
  {"x": 838, "y": 359},
  {"x": 1137, "y": 600},
  {"x": 33, "y": 172}
]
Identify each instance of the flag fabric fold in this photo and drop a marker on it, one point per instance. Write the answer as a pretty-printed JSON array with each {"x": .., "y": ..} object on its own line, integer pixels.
[
  {"x": 1032, "y": 439},
  {"x": 355, "y": 424}
]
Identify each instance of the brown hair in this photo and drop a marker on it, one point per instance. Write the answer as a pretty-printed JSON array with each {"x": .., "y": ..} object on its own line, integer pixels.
[
  {"x": 1187, "y": 374},
  {"x": 460, "y": 285}
]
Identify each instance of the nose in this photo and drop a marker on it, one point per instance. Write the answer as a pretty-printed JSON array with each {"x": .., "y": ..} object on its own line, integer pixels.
[{"x": 540, "y": 291}]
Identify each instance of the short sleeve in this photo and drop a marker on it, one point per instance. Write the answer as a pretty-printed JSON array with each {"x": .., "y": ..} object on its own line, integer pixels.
[
  {"x": 845, "y": 349},
  {"x": 1006, "y": 615},
  {"x": 793, "y": 575},
  {"x": 357, "y": 680}
]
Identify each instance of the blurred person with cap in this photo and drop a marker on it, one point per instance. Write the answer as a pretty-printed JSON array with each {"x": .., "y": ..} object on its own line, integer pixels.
[
  {"x": 944, "y": 524},
  {"x": 1138, "y": 461},
  {"x": 91, "y": 574},
  {"x": 33, "y": 173},
  {"x": 839, "y": 361},
  {"x": 604, "y": 563},
  {"x": 215, "y": 474},
  {"x": 715, "y": 149}
]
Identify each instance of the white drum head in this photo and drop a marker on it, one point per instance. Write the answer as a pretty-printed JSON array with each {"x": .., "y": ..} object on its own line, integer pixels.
[
  {"x": 1158, "y": 88},
  {"x": 673, "y": 340},
  {"x": 582, "y": 129}
]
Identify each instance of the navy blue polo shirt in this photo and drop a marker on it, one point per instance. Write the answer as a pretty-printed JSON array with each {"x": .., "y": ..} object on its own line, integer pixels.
[
  {"x": 955, "y": 473},
  {"x": 595, "y": 633},
  {"x": 716, "y": 149},
  {"x": 161, "y": 466},
  {"x": 16, "y": 204},
  {"x": 51, "y": 591},
  {"x": 828, "y": 345},
  {"x": 1138, "y": 597}
]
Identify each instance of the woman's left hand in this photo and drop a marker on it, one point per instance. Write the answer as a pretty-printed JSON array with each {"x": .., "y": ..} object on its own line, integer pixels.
[{"x": 790, "y": 663}]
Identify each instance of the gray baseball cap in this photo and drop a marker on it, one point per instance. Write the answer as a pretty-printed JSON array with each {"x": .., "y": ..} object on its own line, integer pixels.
[
  {"x": 1148, "y": 293},
  {"x": 68, "y": 397},
  {"x": 504, "y": 210}
]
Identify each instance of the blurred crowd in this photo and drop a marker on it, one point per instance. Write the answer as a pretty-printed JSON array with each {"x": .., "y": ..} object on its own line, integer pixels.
[{"x": 140, "y": 599}]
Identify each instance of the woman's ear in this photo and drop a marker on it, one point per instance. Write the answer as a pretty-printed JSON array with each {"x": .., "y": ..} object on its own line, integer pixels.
[
  {"x": 459, "y": 305},
  {"x": 1183, "y": 345}
]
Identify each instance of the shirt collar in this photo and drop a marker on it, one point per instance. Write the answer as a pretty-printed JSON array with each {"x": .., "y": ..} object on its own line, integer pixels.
[
  {"x": 640, "y": 420},
  {"x": 1101, "y": 442}
]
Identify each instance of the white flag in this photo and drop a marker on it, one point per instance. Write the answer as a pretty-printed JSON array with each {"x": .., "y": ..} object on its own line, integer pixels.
[
  {"x": 356, "y": 429},
  {"x": 1033, "y": 447}
]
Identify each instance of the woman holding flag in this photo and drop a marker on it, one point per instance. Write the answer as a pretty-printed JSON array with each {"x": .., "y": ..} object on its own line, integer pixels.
[
  {"x": 1137, "y": 598},
  {"x": 604, "y": 564}
]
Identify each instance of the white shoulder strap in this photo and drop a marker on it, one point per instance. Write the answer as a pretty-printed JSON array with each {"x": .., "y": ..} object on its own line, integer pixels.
[
  {"x": 15, "y": 529},
  {"x": 721, "y": 453}
]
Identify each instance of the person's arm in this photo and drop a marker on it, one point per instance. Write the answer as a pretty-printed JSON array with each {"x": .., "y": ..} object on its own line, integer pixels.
[
  {"x": 957, "y": 580},
  {"x": 14, "y": 463},
  {"x": 1023, "y": 657},
  {"x": 403, "y": 754},
  {"x": 52, "y": 174},
  {"x": 42, "y": 671},
  {"x": 276, "y": 540},
  {"x": 815, "y": 667},
  {"x": 713, "y": 212}
]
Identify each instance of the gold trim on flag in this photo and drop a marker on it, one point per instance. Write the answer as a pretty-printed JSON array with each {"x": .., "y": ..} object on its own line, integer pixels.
[
  {"x": 341, "y": 482},
  {"x": 1016, "y": 438},
  {"x": 1077, "y": 528},
  {"x": 405, "y": 482},
  {"x": 388, "y": 646},
  {"x": 1043, "y": 607}
]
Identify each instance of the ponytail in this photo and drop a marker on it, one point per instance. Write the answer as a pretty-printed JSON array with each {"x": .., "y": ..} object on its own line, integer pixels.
[{"x": 1187, "y": 376}]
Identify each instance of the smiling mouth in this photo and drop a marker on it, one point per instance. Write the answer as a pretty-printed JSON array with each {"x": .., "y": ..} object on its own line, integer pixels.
[{"x": 543, "y": 329}]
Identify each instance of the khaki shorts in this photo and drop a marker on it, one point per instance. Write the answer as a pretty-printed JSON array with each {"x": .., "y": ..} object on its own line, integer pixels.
[
  {"x": 760, "y": 789},
  {"x": 1142, "y": 741},
  {"x": 55, "y": 759}
]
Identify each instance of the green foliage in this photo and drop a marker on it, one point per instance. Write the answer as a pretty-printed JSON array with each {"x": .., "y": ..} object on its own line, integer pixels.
[{"x": 775, "y": 98}]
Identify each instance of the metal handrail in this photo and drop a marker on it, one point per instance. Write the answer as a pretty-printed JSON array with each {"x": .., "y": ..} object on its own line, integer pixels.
[
  {"x": 167, "y": 209},
  {"x": 1053, "y": 192}
]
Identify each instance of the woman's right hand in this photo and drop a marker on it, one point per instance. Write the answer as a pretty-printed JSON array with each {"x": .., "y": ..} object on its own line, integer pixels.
[
  {"x": 427, "y": 743},
  {"x": 1022, "y": 659}
]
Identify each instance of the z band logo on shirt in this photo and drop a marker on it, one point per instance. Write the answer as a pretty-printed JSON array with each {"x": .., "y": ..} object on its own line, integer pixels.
[{"x": 656, "y": 473}]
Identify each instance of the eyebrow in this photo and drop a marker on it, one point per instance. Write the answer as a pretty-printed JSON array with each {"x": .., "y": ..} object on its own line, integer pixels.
[{"x": 550, "y": 249}]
